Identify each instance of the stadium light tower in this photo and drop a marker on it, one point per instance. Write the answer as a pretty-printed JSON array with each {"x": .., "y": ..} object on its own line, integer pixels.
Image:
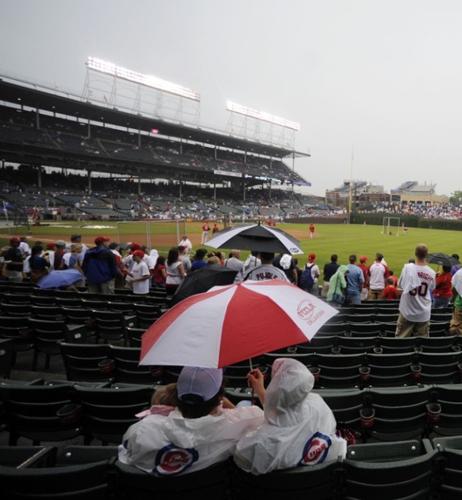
[
  {"x": 260, "y": 125},
  {"x": 261, "y": 115},
  {"x": 133, "y": 76},
  {"x": 127, "y": 89}
]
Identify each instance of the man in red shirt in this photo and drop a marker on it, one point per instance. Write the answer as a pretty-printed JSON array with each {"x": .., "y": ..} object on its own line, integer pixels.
[
  {"x": 365, "y": 270},
  {"x": 215, "y": 228},
  {"x": 205, "y": 233},
  {"x": 390, "y": 292},
  {"x": 312, "y": 230},
  {"x": 443, "y": 289},
  {"x": 393, "y": 277}
]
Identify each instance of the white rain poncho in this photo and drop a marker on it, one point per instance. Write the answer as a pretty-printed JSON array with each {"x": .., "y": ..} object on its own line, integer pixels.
[
  {"x": 457, "y": 282},
  {"x": 299, "y": 427},
  {"x": 152, "y": 259},
  {"x": 170, "y": 445}
]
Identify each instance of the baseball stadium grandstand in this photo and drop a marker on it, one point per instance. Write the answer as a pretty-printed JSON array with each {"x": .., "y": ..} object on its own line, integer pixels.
[{"x": 52, "y": 135}]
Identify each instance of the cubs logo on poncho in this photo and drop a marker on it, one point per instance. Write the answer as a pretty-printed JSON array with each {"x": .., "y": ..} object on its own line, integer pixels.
[
  {"x": 316, "y": 449},
  {"x": 171, "y": 460}
]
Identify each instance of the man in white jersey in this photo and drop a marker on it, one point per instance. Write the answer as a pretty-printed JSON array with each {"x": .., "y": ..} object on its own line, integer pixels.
[
  {"x": 378, "y": 273},
  {"x": 24, "y": 247},
  {"x": 139, "y": 276},
  {"x": 266, "y": 271},
  {"x": 416, "y": 282}
]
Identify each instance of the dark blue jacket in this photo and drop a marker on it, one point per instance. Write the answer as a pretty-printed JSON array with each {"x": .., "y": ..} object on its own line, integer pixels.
[{"x": 99, "y": 265}]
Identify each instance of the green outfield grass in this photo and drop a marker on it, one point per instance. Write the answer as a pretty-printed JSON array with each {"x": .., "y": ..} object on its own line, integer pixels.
[
  {"x": 342, "y": 239},
  {"x": 367, "y": 240}
]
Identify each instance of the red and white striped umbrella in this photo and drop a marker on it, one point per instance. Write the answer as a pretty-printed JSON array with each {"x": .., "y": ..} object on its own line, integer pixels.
[{"x": 232, "y": 323}]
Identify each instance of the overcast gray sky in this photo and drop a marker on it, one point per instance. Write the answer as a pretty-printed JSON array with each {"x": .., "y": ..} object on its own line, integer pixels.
[{"x": 381, "y": 77}]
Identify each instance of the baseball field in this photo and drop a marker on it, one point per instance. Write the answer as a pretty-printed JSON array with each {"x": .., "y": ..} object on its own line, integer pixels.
[{"x": 342, "y": 239}]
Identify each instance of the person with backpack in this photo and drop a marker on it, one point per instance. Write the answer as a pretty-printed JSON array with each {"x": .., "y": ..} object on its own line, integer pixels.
[
  {"x": 337, "y": 286},
  {"x": 310, "y": 275},
  {"x": 99, "y": 267},
  {"x": 285, "y": 262}
]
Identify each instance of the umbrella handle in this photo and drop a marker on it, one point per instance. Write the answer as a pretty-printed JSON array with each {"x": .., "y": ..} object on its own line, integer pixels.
[{"x": 252, "y": 393}]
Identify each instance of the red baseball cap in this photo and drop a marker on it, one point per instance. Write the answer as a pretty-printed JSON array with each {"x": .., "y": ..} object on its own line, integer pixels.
[
  {"x": 101, "y": 239},
  {"x": 14, "y": 241},
  {"x": 135, "y": 246},
  {"x": 138, "y": 253}
]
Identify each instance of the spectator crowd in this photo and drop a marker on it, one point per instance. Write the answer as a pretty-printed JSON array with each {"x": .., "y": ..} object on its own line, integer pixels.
[{"x": 191, "y": 425}]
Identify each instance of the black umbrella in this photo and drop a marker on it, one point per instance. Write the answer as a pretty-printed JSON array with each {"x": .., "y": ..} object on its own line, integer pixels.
[
  {"x": 202, "y": 280},
  {"x": 442, "y": 259},
  {"x": 257, "y": 238}
]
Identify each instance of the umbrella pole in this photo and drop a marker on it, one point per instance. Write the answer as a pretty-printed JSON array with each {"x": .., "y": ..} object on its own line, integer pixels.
[{"x": 252, "y": 393}]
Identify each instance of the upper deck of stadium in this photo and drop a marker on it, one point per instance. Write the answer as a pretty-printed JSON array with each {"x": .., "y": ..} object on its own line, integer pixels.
[{"x": 59, "y": 110}]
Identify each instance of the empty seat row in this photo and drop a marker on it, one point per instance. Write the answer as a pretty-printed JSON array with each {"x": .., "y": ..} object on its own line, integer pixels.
[
  {"x": 59, "y": 410},
  {"x": 374, "y": 306},
  {"x": 377, "y": 344},
  {"x": 383, "y": 317},
  {"x": 49, "y": 311},
  {"x": 370, "y": 369},
  {"x": 387, "y": 329},
  {"x": 93, "y": 362},
  {"x": 385, "y": 471},
  {"x": 104, "y": 362},
  {"x": 21, "y": 290},
  {"x": 79, "y": 326}
]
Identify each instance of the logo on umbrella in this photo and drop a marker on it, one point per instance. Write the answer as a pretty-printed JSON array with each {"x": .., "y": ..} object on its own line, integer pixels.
[
  {"x": 307, "y": 312},
  {"x": 316, "y": 449},
  {"x": 171, "y": 460}
]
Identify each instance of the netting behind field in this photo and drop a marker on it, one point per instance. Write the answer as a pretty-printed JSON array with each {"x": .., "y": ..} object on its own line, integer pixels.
[{"x": 153, "y": 234}]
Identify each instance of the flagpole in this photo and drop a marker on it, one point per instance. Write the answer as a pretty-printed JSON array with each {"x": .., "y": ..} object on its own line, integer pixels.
[{"x": 350, "y": 201}]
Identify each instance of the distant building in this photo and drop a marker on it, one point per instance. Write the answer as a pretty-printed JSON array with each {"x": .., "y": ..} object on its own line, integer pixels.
[
  {"x": 411, "y": 192},
  {"x": 361, "y": 193}
]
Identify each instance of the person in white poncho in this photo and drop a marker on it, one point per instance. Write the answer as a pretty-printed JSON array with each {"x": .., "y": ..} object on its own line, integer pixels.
[
  {"x": 199, "y": 433},
  {"x": 299, "y": 427}
]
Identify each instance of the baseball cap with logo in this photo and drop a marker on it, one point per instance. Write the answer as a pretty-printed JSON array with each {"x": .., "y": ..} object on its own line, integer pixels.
[{"x": 202, "y": 382}]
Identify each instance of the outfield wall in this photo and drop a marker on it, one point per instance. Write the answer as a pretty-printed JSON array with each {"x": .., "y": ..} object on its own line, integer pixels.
[
  {"x": 342, "y": 219},
  {"x": 408, "y": 220}
]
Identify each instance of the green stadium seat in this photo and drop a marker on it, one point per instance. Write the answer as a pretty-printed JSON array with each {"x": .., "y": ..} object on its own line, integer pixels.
[{"x": 389, "y": 471}]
